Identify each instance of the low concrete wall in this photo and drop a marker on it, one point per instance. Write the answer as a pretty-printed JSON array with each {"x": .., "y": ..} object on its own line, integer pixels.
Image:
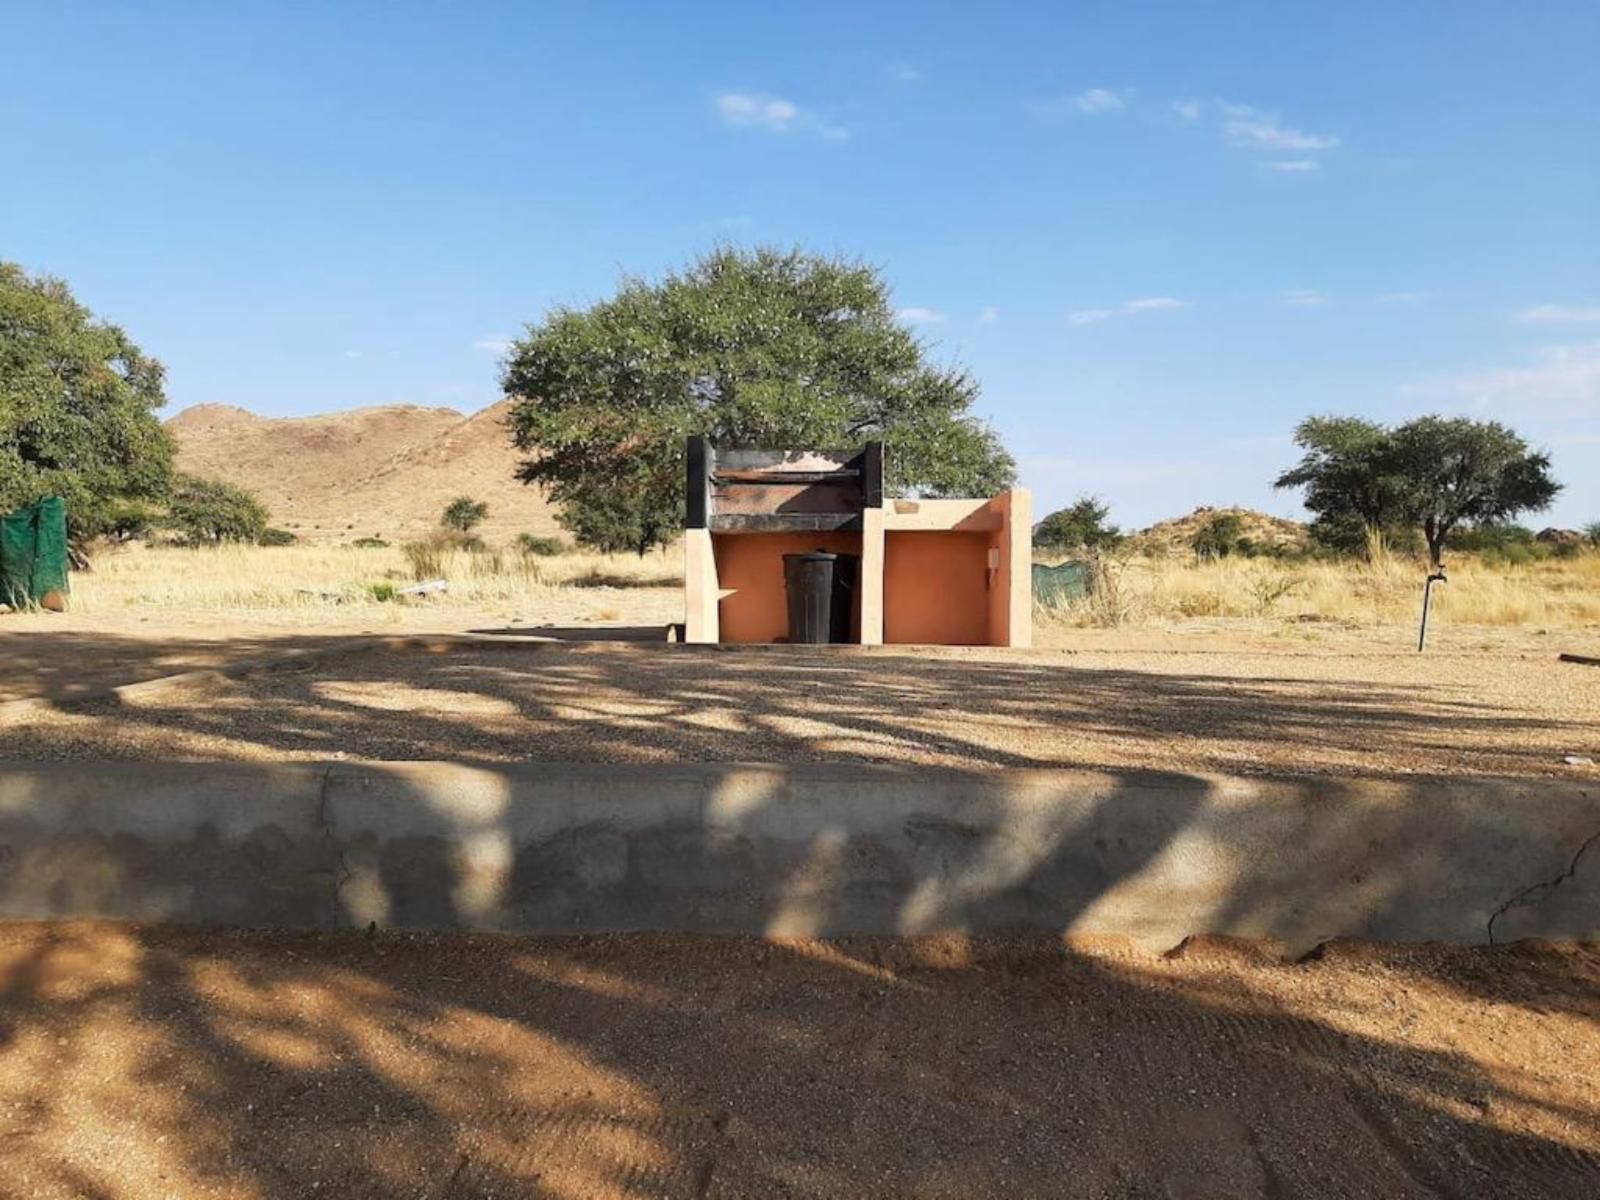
[{"x": 805, "y": 849}]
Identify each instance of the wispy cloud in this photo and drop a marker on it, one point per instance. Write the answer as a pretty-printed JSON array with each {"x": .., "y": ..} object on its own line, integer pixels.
[
  {"x": 1252, "y": 129},
  {"x": 772, "y": 114},
  {"x": 920, "y": 316},
  {"x": 1098, "y": 100},
  {"x": 1189, "y": 110},
  {"x": 1088, "y": 316},
  {"x": 1304, "y": 297},
  {"x": 989, "y": 315},
  {"x": 1559, "y": 381},
  {"x": 1292, "y": 166},
  {"x": 493, "y": 343},
  {"x": 1405, "y": 297},
  {"x": 1561, "y": 314},
  {"x": 352, "y": 355},
  {"x": 904, "y": 72}
]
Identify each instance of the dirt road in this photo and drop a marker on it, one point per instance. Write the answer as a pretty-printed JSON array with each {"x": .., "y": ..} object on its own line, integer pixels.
[{"x": 145, "y": 1064}]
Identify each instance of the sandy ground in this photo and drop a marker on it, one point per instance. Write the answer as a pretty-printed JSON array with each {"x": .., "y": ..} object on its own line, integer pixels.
[
  {"x": 1232, "y": 709},
  {"x": 140, "y": 1063}
]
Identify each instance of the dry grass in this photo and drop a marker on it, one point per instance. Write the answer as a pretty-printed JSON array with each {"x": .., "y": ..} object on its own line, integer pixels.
[
  {"x": 319, "y": 582},
  {"x": 1550, "y": 594}
]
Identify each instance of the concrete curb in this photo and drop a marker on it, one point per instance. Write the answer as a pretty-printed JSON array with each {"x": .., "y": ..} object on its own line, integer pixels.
[{"x": 805, "y": 849}]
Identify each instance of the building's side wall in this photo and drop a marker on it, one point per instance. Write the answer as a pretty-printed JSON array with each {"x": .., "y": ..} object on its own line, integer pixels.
[
  {"x": 699, "y": 587},
  {"x": 749, "y": 572},
  {"x": 935, "y": 587},
  {"x": 1011, "y": 590},
  {"x": 872, "y": 577}
]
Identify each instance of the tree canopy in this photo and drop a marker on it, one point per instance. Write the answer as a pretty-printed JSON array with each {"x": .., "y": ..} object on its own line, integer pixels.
[
  {"x": 207, "y": 512},
  {"x": 77, "y": 407},
  {"x": 1436, "y": 474},
  {"x": 463, "y": 513},
  {"x": 1081, "y": 525},
  {"x": 754, "y": 348}
]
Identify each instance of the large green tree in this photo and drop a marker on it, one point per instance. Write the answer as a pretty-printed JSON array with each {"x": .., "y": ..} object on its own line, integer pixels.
[
  {"x": 77, "y": 407},
  {"x": 755, "y": 348},
  {"x": 1433, "y": 474}
]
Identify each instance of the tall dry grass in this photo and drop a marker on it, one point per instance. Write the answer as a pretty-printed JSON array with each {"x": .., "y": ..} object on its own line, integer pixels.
[
  {"x": 1551, "y": 593},
  {"x": 324, "y": 582}
]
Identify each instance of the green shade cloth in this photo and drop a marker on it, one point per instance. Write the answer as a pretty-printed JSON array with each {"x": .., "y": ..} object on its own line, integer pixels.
[
  {"x": 33, "y": 553},
  {"x": 1057, "y": 585}
]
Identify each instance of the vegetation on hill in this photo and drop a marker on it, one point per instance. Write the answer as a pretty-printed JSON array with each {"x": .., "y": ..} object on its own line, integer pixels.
[
  {"x": 77, "y": 410},
  {"x": 753, "y": 348}
]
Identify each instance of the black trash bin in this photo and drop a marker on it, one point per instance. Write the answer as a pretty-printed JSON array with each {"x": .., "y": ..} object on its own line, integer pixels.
[{"x": 821, "y": 589}]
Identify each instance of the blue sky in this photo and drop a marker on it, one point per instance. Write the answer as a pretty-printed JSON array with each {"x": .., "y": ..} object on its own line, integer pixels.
[{"x": 1158, "y": 233}]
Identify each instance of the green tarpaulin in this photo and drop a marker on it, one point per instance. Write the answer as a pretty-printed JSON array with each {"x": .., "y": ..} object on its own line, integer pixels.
[
  {"x": 33, "y": 553},
  {"x": 1058, "y": 585}
]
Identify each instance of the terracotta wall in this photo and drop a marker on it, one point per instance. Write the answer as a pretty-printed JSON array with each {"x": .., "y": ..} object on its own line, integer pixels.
[
  {"x": 935, "y": 587},
  {"x": 755, "y": 604}
]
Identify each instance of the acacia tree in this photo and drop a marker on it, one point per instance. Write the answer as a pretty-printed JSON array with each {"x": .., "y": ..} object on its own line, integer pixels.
[
  {"x": 1435, "y": 474},
  {"x": 77, "y": 408},
  {"x": 208, "y": 512},
  {"x": 752, "y": 348},
  {"x": 1081, "y": 524},
  {"x": 1464, "y": 472},
  {"x": 463, "y": 513}
]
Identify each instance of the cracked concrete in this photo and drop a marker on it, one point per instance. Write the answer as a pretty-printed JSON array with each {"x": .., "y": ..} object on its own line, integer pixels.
[{"x": 1537, "y": 893}]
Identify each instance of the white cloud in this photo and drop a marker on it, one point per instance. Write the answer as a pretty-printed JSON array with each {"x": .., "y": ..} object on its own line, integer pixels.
[
  {"x": 1098, "y": 100},
  {"x": 773, "y": 114},
  {"x": 1292, "y": 166},
  {"x": 1304, "y": 297},
  {"x": 1561, "y": 380},
  {"x": 1405, "y": 297},
  {"x": 493, "y": 343},
  {"x": 902, "y": 72},
  {"x": 1561, "y": 314},
  {"x": 989, "y": 315},
  {"x": 1251, "y": 129},
  {"x": 920, "y": 316},
  {"x": 1088, "y": 316},
  {"x": 1189, "y": 110}
]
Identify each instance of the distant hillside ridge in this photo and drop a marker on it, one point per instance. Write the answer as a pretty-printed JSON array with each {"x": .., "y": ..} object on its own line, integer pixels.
[
  {"x": 1176, "y": 535},
  {"x": 371, "y": 472}
]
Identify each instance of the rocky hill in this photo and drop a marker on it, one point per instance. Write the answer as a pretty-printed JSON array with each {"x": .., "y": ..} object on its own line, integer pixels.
[
  {"x": 1175, "y": 536},
  {"x": 372, "y": 472}
]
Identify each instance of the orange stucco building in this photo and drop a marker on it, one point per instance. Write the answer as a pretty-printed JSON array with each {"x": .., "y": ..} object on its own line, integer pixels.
[{"x": 947, "y": 572}]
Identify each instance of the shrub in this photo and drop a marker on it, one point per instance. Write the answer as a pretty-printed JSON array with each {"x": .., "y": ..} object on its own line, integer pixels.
[
  {"x": 1592, "y": 532},
  {"x": 272, "y": 536},
  {"x": 207, "y": 512},
  {"x": 383, "y": 592},
  {"x": 370, "y": 543},
  {"x": 540, "y": 547},
  {"x": 1219, "y": 536}
]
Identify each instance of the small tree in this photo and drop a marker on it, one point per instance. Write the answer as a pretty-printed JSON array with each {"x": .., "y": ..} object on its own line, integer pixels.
[
  {"x": 207, "y": 512},
  {"x": 464, "y": 513},
  {"x": 1592, "y": 532},
  {"x": 1081, "y": 525}
]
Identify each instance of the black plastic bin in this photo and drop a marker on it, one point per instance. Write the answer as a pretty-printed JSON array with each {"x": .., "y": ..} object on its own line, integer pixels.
[{"x": 821, "y": 588}]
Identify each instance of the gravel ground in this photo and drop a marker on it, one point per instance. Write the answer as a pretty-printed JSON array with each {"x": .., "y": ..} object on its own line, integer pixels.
[
  {"x": 144, "y": 1064},
  {"x": 1242, "y": 711}
]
